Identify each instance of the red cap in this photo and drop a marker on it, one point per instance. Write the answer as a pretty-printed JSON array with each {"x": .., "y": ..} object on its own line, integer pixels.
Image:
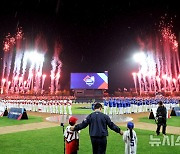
[{"x": 73, "y": 120}]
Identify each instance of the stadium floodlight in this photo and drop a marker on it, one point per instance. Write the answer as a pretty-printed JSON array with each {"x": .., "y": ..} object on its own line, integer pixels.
[
  {"x": 134, "y": 73},
  {"x": 139, "y": 57},
  {"x": 35, "y": 57}
]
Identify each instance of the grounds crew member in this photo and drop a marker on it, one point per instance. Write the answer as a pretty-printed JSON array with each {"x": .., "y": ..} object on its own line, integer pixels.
[
  {"x": 161, "y": 116},
  {"x": 98, "y": 123}
]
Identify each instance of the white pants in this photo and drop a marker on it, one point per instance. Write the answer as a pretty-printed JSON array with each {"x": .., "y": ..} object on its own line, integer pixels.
[
  {"x": 57, "y": 109},
  {"x": 128, "y": 109},
  {"x": 124, "y": 110},
  {"x": 65, "y": 112},
  {"x": 120, "y": 110},
  {"x": 145, "y": 108},
  {"x": 44, "y": 108},
  {"x": 60, "y": 109},
  {"x": 138, "y": 108},
  {"x": 105, "y": 110},
  {"x": 51, "y": 109},
  {"x": 110, "y": 110},
  {"x": 114, "y": 110},
  {"x": 148, "y": 107},
  {"x": 69, "y": 109}
]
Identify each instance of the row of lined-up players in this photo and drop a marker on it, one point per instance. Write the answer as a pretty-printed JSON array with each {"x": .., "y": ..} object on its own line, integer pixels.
[
  {"x": 48, "y": 106},
  {"x": 127, "y": 105}
]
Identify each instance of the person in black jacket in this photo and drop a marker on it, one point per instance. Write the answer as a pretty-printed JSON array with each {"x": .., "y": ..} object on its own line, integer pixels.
[
  {"x": 98, "y": 123},
  {"x": 161, "y": 116}
]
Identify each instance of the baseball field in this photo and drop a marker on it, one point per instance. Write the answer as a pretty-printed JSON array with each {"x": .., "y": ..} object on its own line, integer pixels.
[{"x": 38, "y": 136}]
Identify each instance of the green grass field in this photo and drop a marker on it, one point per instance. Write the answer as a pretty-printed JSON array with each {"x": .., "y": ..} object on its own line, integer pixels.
[
  {"x": 173, "y": 121},
  {"x": 76, "y": 108},
  {"x": 50, "y": 141},
  {"x": 5, "y": 121}
]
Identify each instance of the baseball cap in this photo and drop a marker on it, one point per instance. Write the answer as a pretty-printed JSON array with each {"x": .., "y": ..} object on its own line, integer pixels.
[
  {"x": 72, "y": 120},
  {"x": 130, "y": 125}
]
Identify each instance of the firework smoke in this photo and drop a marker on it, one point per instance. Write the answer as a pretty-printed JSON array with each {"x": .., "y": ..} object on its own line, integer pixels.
[
  {"x": 27, "y": 71},
  {"x": 159, "y": 66},
  {"x": 56, "y": 68}
]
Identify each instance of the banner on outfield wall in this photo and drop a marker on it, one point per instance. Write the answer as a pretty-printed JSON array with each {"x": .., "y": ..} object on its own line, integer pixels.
[
  {"x": 17, "y": 113},
  {"x": 175, "y": 111},
  {"x": 89, "y": 80}
]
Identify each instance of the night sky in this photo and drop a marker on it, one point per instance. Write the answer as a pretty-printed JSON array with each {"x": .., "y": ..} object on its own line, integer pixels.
[{"x": 96, "y": 36}]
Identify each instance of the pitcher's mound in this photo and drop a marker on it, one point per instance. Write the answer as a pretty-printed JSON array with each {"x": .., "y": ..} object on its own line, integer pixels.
[{"x": 81, "y": 117}]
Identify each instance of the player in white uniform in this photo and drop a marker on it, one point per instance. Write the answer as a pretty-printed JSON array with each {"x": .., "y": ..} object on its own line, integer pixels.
[
  {"x": 130, "y": 139},
  {"x": 51, "y": 107},
  {"x": 61, "y": 107},
  {"x": 69, "y": 104},
  {"x": 57, "y": 107},
  {"x": 65, "y": 105},
  {"x": 54, "y": 107}
]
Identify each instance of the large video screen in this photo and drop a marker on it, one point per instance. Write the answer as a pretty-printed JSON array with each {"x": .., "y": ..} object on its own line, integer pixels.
[{"x": 89, "y": 80}]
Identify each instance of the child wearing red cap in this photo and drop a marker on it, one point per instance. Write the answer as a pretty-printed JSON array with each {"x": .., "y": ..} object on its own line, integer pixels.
[{"x": 72, "y": 137}]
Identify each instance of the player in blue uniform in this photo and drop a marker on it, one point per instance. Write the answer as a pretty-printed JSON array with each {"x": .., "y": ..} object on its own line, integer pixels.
[
  {"x": 114, "y": 106},
  {"x": 128, "y": 106},
  {"x": 110, "y": 105},
  {"x": 124, "y": 106},
  {"x": 105, "y": 106},
  {"x": 121, "y": 107},
  {"x": 118, "y": 106}
]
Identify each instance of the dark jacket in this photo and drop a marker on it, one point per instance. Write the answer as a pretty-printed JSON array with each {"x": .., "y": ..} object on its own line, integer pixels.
[
  {"x": 161, "y": 112},
  {"x": 98, "y": 123}
]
